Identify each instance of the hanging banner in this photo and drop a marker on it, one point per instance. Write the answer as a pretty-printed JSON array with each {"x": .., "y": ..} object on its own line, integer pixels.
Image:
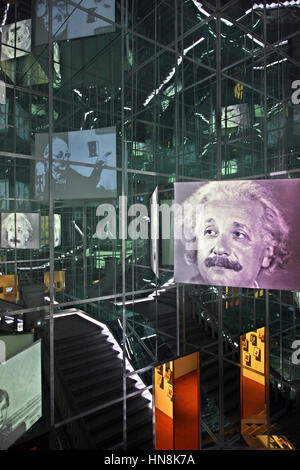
[
  {"x": 238, "y": 233},
  {"x": 83, "y": 164},
  {"x": 20, "y": 394},
  {"x": 20, "y": 230},
  {"x": 79, "y": 19}
]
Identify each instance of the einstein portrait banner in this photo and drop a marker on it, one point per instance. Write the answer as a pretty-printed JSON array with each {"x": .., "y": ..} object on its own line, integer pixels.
[
  {"x": 238, "y": 233},
  {"x": 20, "y": 394},
  {"x": 16, "y": 35},
  {"x": 20, "y": 230},
  {"x": 83, "y": 164}
]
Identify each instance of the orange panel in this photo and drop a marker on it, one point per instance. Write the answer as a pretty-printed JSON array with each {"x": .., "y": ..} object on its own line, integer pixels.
[{"x": 9, "y": 288}]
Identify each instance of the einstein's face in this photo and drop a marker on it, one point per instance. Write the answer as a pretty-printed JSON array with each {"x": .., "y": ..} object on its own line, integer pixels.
[
  {"x": 231, "y": 248},
  {"x": 19, "y": 35},
  {"x": 3, "y": 412},
  {"x": 19, "y": 237},
  {"x": 22, "y": 32}
]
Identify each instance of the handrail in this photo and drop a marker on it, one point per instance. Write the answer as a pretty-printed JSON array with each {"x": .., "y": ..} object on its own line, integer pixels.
[
  {"x": 209, "y": 432},
  {"x": 139, "y": 339},
  {"x": 225, "y": 329}
]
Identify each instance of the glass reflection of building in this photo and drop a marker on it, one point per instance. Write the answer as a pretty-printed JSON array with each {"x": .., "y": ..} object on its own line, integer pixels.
[{"x": 186, "y": 91}]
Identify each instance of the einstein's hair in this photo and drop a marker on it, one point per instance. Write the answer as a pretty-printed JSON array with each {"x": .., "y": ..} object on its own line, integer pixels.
[
  {"x": 20, "y": 217},
  {"x": 275, "y": 228},
  {"x": 4, "y": 396}
]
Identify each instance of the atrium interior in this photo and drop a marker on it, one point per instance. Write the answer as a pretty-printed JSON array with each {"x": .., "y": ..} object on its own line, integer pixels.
[{"x": 104, "y": 105}]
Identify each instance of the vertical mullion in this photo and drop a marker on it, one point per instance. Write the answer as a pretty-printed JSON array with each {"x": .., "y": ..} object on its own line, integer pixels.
[
  {"x": 219, "y": 176},
  {"x": 51, "y": 223},
  {"x": 182, "y": 165},
  {"x": 176, "y": 163},
  {"x": 123, "y": 222},
  {"x": 267, "y": 309}
]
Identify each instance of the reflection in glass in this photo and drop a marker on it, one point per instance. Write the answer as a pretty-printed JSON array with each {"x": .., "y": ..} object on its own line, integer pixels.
[
  {"x": 69, "y": 22},
  {"x": 16, "y": 35},
  {"x": 253, "y": 384},
  {"x": 79, "y": 158},
  {"x": 177, "y": 410}
]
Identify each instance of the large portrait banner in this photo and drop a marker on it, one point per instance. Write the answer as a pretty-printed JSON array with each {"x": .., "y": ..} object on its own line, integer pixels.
[
  {"x": 20, "y": 230},
  {"x": 20, "y": 394},
  {"x": 83, "y": 164},
  {"x": 238, "y": 233}
]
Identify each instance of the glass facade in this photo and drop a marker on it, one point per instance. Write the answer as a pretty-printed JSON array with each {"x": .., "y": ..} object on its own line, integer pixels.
[{"x": 101, "y": 102}]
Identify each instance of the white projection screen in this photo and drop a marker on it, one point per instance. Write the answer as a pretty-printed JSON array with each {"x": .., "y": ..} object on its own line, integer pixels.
[
  {"x": 79, "y": 166},
  {"x": 45, "y": 230},
  {"x": 15, "y": 35},
  {"x": 4, "y": 195},
  {"x": 232, "y": 116},
  {"x": 154, "y": 232},
  {"x": 167, "y": 243},
  {"x": 20, "y": 394},
  {"x": 70, "y": 22},
  {"x": 20, "y": 230},
  {"x": 238, "y": 233}
]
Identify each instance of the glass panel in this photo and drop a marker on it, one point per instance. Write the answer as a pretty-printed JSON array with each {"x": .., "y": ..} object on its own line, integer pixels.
[
  {"x": 177, "y": 405},
  {"x": 254, "y": 412}
]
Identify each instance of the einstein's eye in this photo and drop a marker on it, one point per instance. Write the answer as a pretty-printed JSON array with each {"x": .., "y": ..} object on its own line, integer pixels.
[
  {"x": 210, "y": 232},
  {"x": 240, "y": 235}
]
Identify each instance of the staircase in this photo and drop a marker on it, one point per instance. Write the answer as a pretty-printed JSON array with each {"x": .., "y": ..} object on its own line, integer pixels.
[
  {"x": 197, "y": 338},
  {"x": 90, "y": 371}
]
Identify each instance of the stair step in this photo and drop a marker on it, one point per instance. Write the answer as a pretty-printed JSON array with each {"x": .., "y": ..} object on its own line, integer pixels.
[
  {"x": 112, "y": 414},
  {"x": 74, "y": 340},
  {"x": 102, "y": 388},
  {"x": 88, "y": 350},
  {"x": 98, "y": 359},
  {"x": 86, "y": 358},
  {"x": 137, "y": 425},
  {"x": 97, "y": 339},
  {"x": 139, "y": 436},
  {"x": 84, "y": 373},
  {"x": 96, "y": 380},
  {"x": 97, "y": 399}
]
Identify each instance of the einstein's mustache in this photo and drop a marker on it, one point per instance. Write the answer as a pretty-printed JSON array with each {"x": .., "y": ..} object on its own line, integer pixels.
[
  {"x": 15, "y": 241},
  {"x": 223, "y": 262}
]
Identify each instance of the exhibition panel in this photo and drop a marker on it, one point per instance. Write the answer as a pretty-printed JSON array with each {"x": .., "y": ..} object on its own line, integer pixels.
[{"x": 177, "y": 404}]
